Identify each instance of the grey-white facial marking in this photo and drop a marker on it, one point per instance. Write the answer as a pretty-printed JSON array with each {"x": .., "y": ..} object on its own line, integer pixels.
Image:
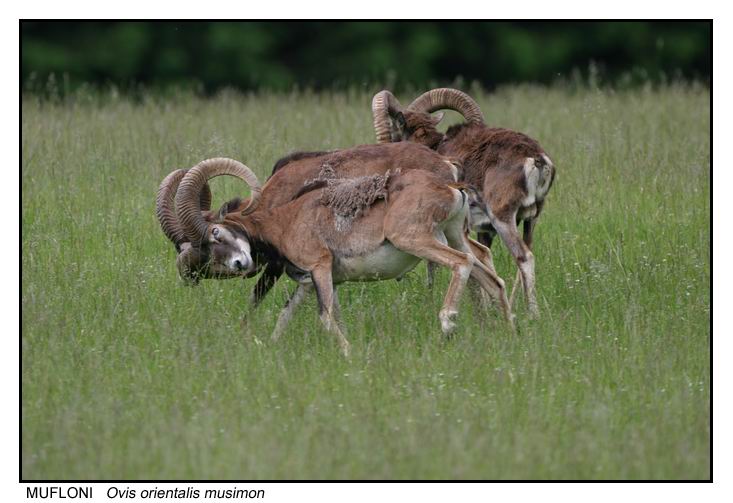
[
  {"x": 243, "y": 259},
  {"x": 230, "y": 251}
]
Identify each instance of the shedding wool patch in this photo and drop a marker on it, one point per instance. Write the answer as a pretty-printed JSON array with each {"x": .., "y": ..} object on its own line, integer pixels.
[{"x": 349, "y": 197}]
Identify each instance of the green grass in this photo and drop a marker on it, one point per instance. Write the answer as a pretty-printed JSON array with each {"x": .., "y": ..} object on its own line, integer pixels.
[{"x": 128, "y": 374}]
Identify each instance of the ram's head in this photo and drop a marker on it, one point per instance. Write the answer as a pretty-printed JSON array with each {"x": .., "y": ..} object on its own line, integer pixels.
[
  {"x": 393, "y": 122},
  {"x": 208, "y": 244}
]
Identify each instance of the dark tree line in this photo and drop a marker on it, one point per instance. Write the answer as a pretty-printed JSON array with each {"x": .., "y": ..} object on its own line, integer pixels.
[{"x": 279, "y": 55}]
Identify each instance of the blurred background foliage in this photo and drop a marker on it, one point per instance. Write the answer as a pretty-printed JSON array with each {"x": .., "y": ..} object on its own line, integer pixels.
[{"x": 326, "y": 55}]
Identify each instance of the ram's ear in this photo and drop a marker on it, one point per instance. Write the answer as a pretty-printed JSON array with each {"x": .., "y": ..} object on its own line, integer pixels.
[
  {"x": 400, "y": 121},
  {"x": 228, "y": 207},
  {"x": 222, "y": 212}
]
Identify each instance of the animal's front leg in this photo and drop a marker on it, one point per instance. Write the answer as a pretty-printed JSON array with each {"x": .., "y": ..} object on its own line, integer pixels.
[
  {"x": 431, "y": 274},
  {"x": 287, "y": 313},
  {"x": 337, "y": 310},
  {"x": 323, "y": 282},
  {"x": 485, "y": 237},
  {"x": 273, "y": 271}
]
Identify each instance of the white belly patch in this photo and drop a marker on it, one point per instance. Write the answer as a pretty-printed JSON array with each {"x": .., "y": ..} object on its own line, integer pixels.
[{"x": 385, "y": 262}]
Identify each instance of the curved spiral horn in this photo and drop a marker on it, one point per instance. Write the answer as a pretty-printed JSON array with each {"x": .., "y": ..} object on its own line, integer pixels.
[
  {"x": 451, "y": 99},
  {"x": 165, "y": 210},
  {"x": 188, "y": 205},
  {"x": 384, "y": 104}
]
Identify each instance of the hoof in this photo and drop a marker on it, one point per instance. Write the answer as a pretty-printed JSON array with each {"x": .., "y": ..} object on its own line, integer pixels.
[
  {"x": 447, "y": 324},
  {"x": 346, "y": 350}
]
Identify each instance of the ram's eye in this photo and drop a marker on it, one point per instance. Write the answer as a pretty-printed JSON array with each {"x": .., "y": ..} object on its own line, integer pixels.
[{"x": 215, "y": 233}]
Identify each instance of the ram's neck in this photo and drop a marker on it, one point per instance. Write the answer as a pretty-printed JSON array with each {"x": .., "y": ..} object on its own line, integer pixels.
[
  {"x": 263, "y": 229},
  {"x": 458, "y": 141}
]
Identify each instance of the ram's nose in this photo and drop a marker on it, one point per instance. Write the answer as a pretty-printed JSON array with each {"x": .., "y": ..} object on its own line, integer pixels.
[{"x": 243, "y": 264}]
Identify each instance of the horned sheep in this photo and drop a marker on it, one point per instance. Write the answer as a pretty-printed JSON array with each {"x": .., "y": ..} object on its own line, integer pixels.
[
  {"x": 396, "y": 217},
  {"x": 288, "y": 178},
  {"x": 510, "y": 169}
]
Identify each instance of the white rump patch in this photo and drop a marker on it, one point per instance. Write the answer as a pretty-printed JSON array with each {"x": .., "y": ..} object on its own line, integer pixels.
[
  {"x": 532, "y": 178},
  {"x": 545, "y": 178},
  {"x": 538, "y": 180}
]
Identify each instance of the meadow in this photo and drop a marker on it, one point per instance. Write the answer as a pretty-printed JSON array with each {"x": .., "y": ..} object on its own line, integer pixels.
[{"x": 128, "y": 374}]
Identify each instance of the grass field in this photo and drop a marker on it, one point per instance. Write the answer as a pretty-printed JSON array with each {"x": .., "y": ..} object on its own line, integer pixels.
[{"x": 128, "y": 374}]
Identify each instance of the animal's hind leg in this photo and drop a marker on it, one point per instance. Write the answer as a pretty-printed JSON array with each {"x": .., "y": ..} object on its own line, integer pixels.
[
  {"x": 323, "y": 282},
  {"x": 485, "y": 274},
  {"x": 478, "y": 295},
  {"x": 523, "y": 257},
  {"x": 517, "y": 282},
  {"x": 494, "y": 284},
  {"x": 287, "y": 313},
  {"x": 528, "y": 228},
  {"x": 482, "y": 253},
  {"x": 460, "y": 264}
]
